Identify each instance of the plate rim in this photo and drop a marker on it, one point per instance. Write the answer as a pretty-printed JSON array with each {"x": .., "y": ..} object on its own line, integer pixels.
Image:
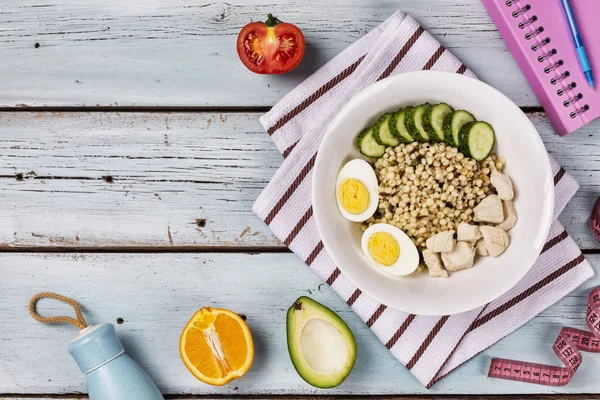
[{"x": 320, "y": 159}]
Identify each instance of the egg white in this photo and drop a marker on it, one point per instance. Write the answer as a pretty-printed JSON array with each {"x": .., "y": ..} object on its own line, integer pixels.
[
  {"x": 362, "y": 171},
  {"x": 407, "y": 262}
]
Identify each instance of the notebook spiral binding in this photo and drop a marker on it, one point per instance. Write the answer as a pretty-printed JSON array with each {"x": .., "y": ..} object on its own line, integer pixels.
[{"x": 539, "y": 43}]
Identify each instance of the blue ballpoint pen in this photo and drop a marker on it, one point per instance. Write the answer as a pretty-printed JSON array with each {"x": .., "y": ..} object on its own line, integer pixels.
[{"x": 581, "y": 54}]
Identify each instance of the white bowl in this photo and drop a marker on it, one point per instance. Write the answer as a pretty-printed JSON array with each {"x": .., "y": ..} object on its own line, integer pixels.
[{"x": 527, "y": 164}]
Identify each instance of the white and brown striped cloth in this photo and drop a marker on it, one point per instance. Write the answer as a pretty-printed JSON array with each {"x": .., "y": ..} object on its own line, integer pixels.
[{"x": 430, "y": 347}]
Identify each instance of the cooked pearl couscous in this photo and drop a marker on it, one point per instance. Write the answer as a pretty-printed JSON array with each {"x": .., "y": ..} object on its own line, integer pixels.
[{"x": 428, "y": 188}]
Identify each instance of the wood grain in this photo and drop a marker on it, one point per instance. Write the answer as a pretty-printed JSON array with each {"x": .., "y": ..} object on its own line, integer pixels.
[
  {"x": 140, "y": 180},
  {"x": 176, "y": 180},
  {"x": 186, "y": 181},
  {"x": 155, "y": 295},
  {"x": 339, "y": 397},
  {"x": 182, "y": 52}
]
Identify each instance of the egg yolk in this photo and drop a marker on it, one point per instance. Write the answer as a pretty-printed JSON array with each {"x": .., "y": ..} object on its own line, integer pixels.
[
  {"x": 353, "y": 196},
  {"x": 383, "y": 248}
]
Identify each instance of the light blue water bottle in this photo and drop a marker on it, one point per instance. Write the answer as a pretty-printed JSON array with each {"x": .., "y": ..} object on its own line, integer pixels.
[{"x": 111, "y": 374}]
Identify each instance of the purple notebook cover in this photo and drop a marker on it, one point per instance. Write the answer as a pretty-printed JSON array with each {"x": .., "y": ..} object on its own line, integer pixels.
[{"x": 537, "y": 34}]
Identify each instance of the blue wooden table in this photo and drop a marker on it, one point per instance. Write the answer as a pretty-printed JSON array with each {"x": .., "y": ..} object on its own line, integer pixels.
[{"x": 130, "y": 156}]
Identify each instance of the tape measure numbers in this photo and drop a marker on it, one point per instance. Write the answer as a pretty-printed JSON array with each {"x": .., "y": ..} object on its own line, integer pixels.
[{"x": 568, "y": 347}]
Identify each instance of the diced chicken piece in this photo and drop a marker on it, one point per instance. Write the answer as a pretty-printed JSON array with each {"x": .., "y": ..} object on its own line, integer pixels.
[
  {"x": 496, "y": 239},
  {"x": 460, "y": 258},
  {"x": 442, "y": 242},
  {"x": 467, "y": 233},
  {"x": 434, "y": 264},
  {"x": 510, "y": 215},
  {"x": 489, "y": 210},
  {"x": 481, "y": 249},
  {"x": 503, "y": 185}
]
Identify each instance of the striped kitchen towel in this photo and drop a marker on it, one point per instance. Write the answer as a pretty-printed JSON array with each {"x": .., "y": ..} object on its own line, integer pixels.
[{"x": 430, "y": 347}]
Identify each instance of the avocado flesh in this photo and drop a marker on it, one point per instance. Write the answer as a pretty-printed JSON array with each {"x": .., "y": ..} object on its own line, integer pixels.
[{"x": 321, "y": 345}]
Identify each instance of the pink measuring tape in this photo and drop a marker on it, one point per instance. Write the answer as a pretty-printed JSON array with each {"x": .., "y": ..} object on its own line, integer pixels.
[{"x": 567, "y": 347}]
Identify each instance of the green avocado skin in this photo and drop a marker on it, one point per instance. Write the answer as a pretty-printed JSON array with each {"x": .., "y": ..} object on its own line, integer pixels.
[{"x": 307, "y": 307}]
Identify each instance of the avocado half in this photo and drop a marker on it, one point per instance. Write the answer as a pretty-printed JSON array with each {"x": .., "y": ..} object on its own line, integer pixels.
[{"x": 321, "y": 345}]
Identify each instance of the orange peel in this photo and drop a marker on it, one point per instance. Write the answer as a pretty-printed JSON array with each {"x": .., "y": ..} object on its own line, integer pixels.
[{"x": 216, "y": 346}]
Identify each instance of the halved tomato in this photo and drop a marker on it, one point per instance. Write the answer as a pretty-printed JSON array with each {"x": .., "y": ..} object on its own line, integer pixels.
[{"x": 271, "y": 47}]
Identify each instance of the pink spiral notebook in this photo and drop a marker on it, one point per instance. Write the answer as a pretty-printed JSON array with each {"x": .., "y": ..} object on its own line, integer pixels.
[{"x": 537, "y": 34}]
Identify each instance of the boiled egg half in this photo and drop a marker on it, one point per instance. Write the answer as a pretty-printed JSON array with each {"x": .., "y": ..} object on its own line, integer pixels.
[
  {"x": 357, "y": 191},
  {"x": 390, "y": 250}
]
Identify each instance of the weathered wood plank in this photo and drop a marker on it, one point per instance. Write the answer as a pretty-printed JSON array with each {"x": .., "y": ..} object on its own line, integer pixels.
[
  {"x": 339, "y": 397},
  {"x": 182, "y": 52},
  {"x": 155, "y": 295},
  {"x": 173, "y": 173},
  {"x": 151, "y": 179}
]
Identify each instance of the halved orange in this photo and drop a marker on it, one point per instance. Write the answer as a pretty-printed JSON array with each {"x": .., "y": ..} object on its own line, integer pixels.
[{"x": 216, "y": 346}]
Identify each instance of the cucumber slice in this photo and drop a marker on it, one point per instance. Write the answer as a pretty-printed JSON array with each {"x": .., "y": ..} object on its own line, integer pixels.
[
  {"x": 414, "y": 122},
  {"x": 477, "y": 140},
  {"x": 398, "y": 126},
  {"x": 382, "y": 133},
  {"x": 452, "y": 124},
  {"x": 368, "y": 146},
  {"x": 433, "y": 120}
]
